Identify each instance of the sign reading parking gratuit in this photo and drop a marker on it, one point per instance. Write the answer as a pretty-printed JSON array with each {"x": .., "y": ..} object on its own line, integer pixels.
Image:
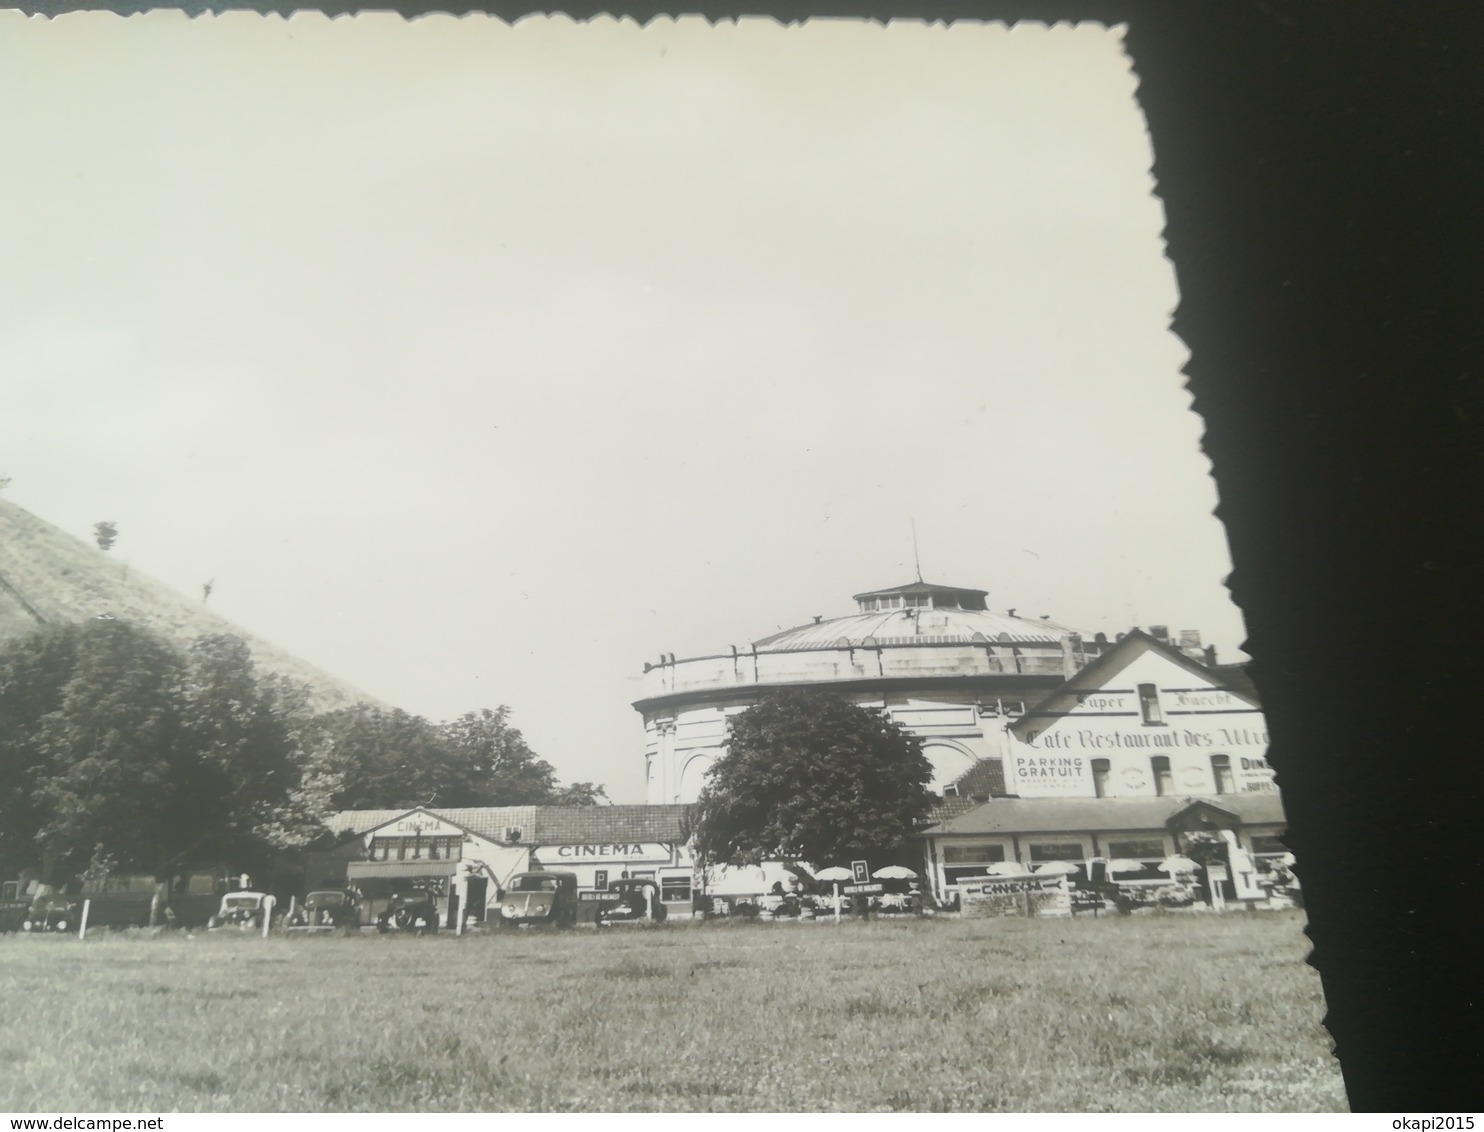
[{"x": 861, "y": 872}]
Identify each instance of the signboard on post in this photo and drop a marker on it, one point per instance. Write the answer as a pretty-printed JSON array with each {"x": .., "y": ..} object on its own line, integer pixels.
[
  {"x": 1025, "y": 895},
  {"x": 861, "y": 872},
  {"x": 873, "y": 889}
]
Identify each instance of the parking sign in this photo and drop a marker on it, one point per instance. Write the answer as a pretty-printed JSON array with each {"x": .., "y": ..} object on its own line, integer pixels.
[{"x": 861, "y": 872}]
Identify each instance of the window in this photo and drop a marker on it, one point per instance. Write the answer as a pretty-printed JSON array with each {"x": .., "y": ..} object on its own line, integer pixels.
[
  {"x": 1164, "y": 781},
  {"x": 1268, "y": 845},
  {"x": 674, "y": 889},
  {"x": 1221, "y": 771},
  {"x": 1100, "y": 769},
  {"x": 1149, "y": 704},
  {"x": 969, "y": 860},
  {"x": 10, "y": 890},
  {"x": 1148, "y": 850},
  {"x": 1057, "y": 851}
]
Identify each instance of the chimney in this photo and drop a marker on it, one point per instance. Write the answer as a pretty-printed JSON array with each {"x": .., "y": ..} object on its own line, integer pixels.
[
  {"x": 1160, "y": 633},
  {"x": 1068, "y": 658}
]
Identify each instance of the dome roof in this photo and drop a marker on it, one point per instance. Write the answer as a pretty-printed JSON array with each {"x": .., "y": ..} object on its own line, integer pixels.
[{"x": 922, "y": 626}]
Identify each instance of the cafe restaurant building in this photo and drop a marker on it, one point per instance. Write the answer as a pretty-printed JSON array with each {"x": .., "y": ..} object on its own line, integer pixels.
[
  {"x": 468, "y": 855},
  {"x": 1130, "y": 758}
]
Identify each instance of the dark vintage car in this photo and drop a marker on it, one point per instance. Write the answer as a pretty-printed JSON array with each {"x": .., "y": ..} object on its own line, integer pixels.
[
  {"x": 411, "y": 910},
  {"x": 326, "y": 910},
  {"x": 242, "y": 910},
  {"x": 53, "y": 912},
  {"x": 539, "y": 898},
  {"x": 631, "y": 901}
]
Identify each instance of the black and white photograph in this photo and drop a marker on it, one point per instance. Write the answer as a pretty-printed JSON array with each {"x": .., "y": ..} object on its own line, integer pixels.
[{"x": 598, "y": 566}]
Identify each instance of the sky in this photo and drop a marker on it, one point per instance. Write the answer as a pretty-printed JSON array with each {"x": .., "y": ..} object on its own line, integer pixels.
[{"x": 478, "y": 365}]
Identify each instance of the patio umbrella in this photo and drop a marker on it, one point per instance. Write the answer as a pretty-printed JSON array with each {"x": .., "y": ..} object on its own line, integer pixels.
[
  {"x": 1179, "y": 863},
  {"x": 1122, "y": 865},
  {"x": 1006, "y": 869},
  {"x": 895, "y": 872},
  {"x": 834, "y": 875},
  {"x": 1058, "y": 868}
]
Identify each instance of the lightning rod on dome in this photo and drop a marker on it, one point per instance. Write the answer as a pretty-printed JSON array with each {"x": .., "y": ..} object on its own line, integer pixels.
[{"x": 916, "y": 558}]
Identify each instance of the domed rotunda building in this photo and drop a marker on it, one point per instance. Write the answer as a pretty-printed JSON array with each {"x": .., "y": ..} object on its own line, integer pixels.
[{"x": 936, "y": 658}]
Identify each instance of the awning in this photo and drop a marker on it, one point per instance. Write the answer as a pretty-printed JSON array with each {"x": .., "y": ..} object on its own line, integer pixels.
[{"x": 366, "y": 869}]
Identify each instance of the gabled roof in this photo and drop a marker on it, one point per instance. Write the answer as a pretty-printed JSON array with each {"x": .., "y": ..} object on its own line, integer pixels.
[
  {"x": 1093, "y": 815},
  {"x": 985, "y": 779},
  {"x": 582, "y": 825},
  {"x": 1110, "y": 663},
  {"x": 540, "y": 825},
  {"x": 404, "y": 814},
  {"x": 951, "y": 806},
  {"x": 489, "y": 822}
]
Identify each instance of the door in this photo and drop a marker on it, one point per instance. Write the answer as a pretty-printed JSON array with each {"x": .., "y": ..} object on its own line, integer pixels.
[{"x": 476, "y": 891}]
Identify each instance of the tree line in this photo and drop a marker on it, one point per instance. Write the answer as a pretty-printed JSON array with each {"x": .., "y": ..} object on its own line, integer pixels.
[{"x": 121, "y": 752}]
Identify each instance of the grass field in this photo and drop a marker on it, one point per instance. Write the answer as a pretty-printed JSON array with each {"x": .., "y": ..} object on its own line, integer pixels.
[{"x": 1157, "y": 1013}]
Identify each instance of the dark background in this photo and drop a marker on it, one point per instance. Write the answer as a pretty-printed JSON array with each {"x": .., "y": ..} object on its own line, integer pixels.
[{"x": 1323, "y": 178}]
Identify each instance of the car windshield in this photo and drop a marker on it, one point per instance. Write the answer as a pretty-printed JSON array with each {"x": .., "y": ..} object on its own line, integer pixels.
[
  {"x": 535, "y": 884},
  {"x": 325, "y": 898}
]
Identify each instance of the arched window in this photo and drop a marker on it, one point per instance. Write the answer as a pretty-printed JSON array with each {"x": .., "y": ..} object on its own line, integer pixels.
[
  {"x": 1221, "y": 771},
  {"x": 1100, "y": 769},
  {"x": 1164, "y": 781},
  {"x": 1149, "y": 704}
]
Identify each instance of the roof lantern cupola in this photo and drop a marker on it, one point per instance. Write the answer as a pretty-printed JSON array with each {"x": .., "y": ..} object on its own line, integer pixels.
[{"x": 921, "y": 595}]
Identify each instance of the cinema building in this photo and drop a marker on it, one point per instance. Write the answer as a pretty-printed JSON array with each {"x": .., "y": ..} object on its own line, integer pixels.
[{"x": 468, "y": 855}]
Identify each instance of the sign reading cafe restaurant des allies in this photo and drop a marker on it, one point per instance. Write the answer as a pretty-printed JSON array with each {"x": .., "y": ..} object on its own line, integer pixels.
[{"x": 1157, "y": 723}]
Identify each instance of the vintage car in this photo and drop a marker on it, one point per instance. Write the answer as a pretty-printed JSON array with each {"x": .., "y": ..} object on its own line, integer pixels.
[
  {"x": 412, "y": 909},
  {"x": 630, "y": 902},
  {"x": 53, "y": 912},
  {"x": 242, "y": 910},
  {"x": 326, "y": 910},
  {"x": 539, "y": 898}
]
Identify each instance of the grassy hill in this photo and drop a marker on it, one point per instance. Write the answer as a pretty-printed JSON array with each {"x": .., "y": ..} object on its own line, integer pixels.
[{"x": 49, "y": 577}]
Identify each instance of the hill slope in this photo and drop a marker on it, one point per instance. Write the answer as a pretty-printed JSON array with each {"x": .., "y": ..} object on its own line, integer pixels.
[{"x": 49, "y": 577}]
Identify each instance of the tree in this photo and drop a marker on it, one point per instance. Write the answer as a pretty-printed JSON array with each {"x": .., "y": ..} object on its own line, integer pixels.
[
  {"x": 106, "y": 534},
  {"x": 238, "y": 761},
  {"x": 107, "y": 751},
  {"x": 34, "y": 671},
  {"x": 580, "y": 794},
  {"x": 496, "y": 767},
  {"x": 134, "y": 756},
  {"x": 369, "y": 758},
  {"x": 809, "y": 776}
]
